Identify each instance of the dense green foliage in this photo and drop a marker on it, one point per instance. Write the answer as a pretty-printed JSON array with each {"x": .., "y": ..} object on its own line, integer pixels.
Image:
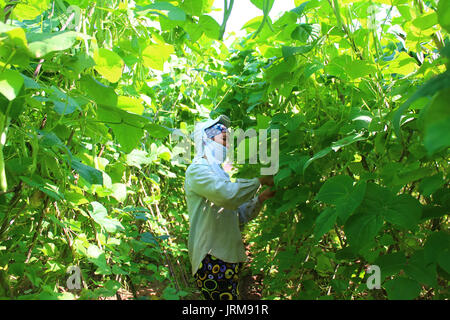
[{"x": 89, "y": 96}]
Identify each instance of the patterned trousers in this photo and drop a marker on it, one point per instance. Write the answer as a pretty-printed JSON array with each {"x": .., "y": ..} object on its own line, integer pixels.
[{"x": 217, "y": 279}]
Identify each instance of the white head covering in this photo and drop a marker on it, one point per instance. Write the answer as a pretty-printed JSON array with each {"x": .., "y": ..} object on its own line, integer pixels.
[{"x": 201, "y": 140}]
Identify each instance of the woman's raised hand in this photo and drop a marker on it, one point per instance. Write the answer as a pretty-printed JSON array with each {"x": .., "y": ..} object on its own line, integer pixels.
[{"x": 266, "y": 180}]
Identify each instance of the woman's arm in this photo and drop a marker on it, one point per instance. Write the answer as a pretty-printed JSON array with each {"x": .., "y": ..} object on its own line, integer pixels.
[{"x": 202, "y": 180}]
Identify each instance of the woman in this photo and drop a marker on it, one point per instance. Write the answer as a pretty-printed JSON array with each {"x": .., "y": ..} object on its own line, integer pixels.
[{"x": 217, "y": 210}]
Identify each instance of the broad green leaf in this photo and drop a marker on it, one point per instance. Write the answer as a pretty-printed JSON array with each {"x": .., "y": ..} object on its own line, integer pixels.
[
  {"x": 402, "y": 289},
  {"x": 403, "y": 211},
  {"x": 436, "y": 120},
  {"x": 138, "y": 158},
  {"x": 361, "y": 228},
  {"x": 155, "y": 55},
  {"x": 323, "y": 265},
  {"x": 335, "y": 146},
  {"x": 99, "y": 214},
  {"x": 426, "y": 21},
  {"x": 109, "y": 64},
  {"x": 91, "y": 175},
  {"x": 128, "y": 136},
  {"x": 324, "y": 222},
  {"x": 10, "y": 84},
  {"x": 209, "y": 26},
  {"x": 76, "y": 64},
  {"x": 130, "y": 104},
  {"x": 157, "y": 131},
  {"x": 359, "y": 68},
  {"x": 26, "y": 12},
  {"x": 318, "y": 155},
  {"x": 281, "y": 175},
  {"x": 421, "y": 271},
  {"x": 443, "y": 12},
  {"x": 440, "y": 82},
  {"x": 437, "y": 243},
  {"x": 290, "y": 51},
  {"x": 430, "y": 184},
  {"x": 340, "y": 191},
  {"x": 13, "y": 40},
  {"x": 403, "y": 64},
  {"x": 98, "y": 92},
  {"x": 93, "y": 251},
  {"x": 345, "y": 65},
  {"x": 119, "y": 191},
  {"x": 391, "y": 264},
  {"x": 300, "y": 7},
  {"x": 444, "y": 260},
  {"x": 334, "y": 189},
  {"x": 260, "y": 4},
  {"x": 166, "y": 9},
  {"x": 41, "y": 44},
  {"x": 253, "y": 23},
  {"x": 197, "y": 7}
]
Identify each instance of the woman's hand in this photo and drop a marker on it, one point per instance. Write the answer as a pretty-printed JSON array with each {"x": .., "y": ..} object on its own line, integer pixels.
[
  {"x": 266, "y": 180},
  {"x": 266, "y": 194}
]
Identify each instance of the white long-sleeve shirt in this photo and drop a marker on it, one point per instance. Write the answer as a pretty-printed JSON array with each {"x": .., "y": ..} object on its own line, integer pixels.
[{"x": 217, "y": 209}]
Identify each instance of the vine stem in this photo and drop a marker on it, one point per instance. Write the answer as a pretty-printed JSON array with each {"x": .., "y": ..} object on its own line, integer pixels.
[
  {"x": 227, "y": 11},
  {"x": 38, "y": 228}
]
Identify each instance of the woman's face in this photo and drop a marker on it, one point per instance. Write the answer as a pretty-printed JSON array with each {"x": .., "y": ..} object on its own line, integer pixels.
[{"x": 222, "y": 139}]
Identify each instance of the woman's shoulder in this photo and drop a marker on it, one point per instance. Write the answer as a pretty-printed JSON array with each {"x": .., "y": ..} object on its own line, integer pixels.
[{"x": 197, "y": 164}]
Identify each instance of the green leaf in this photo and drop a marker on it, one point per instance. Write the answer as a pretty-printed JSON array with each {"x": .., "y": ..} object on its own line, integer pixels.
[
  {"x": 13, "y": 39},
  {"x": 165, "y": 9},
  {"x": 444, "y": 260},
  {"x": 130, "y": 104},
  {"x": 281, "y": 175},
  {"x": 335, "y": 146},
  {"x": 344, "y": 65},
  {"x": 10, "y": 84},
  {"x": 421, "y": 271},
  {"x": 119, "y": 191},
  {"x": 430, "y": 184},
  {"x": 403, "y": 211},
  {"x": 197, "y": 7},
  {"x": 391, "y": 264},
  {"x": 128, "y": 136},
  {"x": 98, "y": 92},
  {"x": 402, "y": 289},
  {"x": 443, "y": 12},
  {"x": 97, "y": 257},
  {"x": 361, "y": 228},
  {"x": 290, "y": 51},
  {"x": 299, "y": 9},
  {"x": 324, "y": 222},
  {"x": 99, "y": 214},
  {"x": 437, "y": 243},
  {"x": 139, "y": 157},
  {"x": 109, "y": 64},
  {"x": 403, "y": 64},
  {"x": 209, "y": 26},
  {"x": 91, "y": 175},
  {"x": 426, "y": 20},
  {"x": 436, "y": 120},
  {"x": 41, "y": 44},
  {"x": 440, "y": 82},
  {"x": 334, "y": 189},
  {"x": 155, "y": 55},
  {"x": 260, "y": 4},
  {"x": 340, "y": 191}
]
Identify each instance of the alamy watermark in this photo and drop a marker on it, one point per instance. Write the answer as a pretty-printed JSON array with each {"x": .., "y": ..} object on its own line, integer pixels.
[
  {"x": 374, "y": 280},
  {"x": 74, "y": 280},
  {"x": 258, "y": 151}
]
